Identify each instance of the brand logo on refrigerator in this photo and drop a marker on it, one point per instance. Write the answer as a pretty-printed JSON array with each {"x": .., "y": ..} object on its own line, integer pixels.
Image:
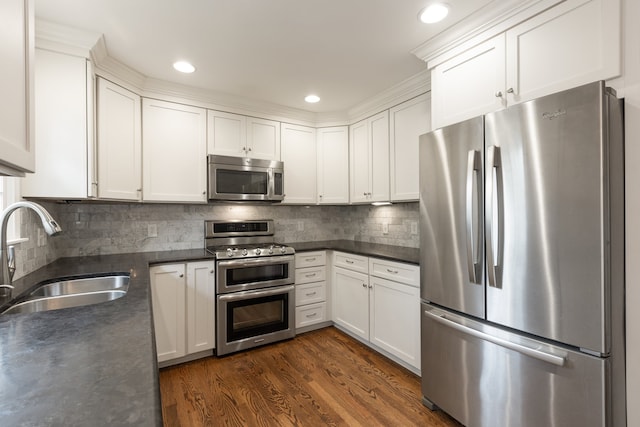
[{"x": 554, "y": 115}]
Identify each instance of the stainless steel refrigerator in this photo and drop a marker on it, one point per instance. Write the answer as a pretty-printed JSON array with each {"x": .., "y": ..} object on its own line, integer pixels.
[{"x": 522, "y": 264}]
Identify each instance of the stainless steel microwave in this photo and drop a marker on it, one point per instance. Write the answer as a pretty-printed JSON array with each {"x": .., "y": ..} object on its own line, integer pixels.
[{"x": 245, "y": 179}]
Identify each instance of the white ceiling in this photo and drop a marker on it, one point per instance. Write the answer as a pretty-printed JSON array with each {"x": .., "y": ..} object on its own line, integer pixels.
[{"x": 278, "y": 51}]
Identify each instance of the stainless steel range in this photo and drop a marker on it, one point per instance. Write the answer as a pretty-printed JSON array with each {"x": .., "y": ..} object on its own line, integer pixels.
[{"x": 255, "y": 297}]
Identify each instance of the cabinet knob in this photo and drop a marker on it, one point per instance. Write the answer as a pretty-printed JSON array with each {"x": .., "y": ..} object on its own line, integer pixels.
[
  {"x": 499, "y": 94},
  {"x": 370, "y": 286},
  {"x": 212, "y": 271},
  {"x": 364, "y": 285},
  {"x": 364, "y": 194},
  {"x": 510, "y": 90},
  {"x": 249, "y": 149},
  {"x": 182, "y": 275}
]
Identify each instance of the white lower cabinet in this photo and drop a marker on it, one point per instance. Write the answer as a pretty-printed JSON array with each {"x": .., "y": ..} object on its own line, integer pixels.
[
  {"x": 381, "y": 306},
  {"x": 311, "y": 290},
  {"x": 183, "y": 300}
]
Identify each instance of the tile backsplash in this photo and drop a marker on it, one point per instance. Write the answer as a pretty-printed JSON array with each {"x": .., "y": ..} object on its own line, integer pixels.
[{"x": 106, "y": 228}]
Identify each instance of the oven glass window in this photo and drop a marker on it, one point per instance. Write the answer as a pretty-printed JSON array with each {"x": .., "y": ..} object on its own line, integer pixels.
[
  {"x": 241, "y": 182},
  {"x": 260, "y": 273},
  {"x": 257, "y": 316}
]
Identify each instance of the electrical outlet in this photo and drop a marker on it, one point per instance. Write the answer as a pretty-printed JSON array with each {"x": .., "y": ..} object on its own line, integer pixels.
[
  {"x": 385, "y": 228},
  {"x": 414, "y": 227},
  {"x": 152, "y": 230},
  {"x": 300, "y": 226}
]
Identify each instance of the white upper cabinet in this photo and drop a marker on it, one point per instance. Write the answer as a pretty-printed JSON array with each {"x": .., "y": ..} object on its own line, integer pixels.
[
  {"x": 573, "y": 43},
  {"x": 64, "y": 128},
  {"x": 16, "y": 86},
  {"x": 119, "y": 142},
  {"x": 299, "y": 157},
  {"x": 369, "y": 159},
  {"x": 173, "y": 152},
  {"x": 407, "y": 122},
  {"x": 263, "y": 139},
  {"x": 333, "y": 165},
  {"x": 240, "y": 136}
]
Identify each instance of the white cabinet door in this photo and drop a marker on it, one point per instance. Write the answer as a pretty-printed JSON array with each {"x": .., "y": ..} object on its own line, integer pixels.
[
  {"x": 119, "y": 143},
  {"x": 173, "y": 152},
  {"x": 168, "y": 299},
  {"x": 299, "y": 157},
  {"x": 201, "y": 303},
  {"x": 466, "y": 85},
  {"x": 263, "y": 139},
  {"x": 226, "y": 134},
  {"x": 62, "y": 128},
  {"x": 574, "y": 43},
  {"x": 369, "y": 159},
  {"x": 395, "y": 319},
  {"x": 407, "y": 122},
  {"x": 359, "y": 162},
  {"x": 333, "y": 165},
  {"x": 16, "y": 86},
  {"x": 350, "y": 294}
]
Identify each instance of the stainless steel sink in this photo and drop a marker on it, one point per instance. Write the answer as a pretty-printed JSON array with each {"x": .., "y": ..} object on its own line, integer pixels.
[
  {"x": 72, "y": 292},
  {"x": 82, "y": 285}
]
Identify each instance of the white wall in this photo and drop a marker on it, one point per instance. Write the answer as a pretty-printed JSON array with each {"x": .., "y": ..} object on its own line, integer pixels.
[{"x": 631, "y": 92}]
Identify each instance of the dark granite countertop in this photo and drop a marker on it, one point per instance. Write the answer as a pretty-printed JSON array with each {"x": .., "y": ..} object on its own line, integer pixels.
[
  {"x": 96, "y": 365},
  {"x": 93, "y": 365},
  {"x": 390, "y": 252}
]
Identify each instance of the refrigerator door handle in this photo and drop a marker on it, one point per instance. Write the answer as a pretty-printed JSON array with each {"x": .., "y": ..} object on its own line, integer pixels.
[
  {"x": 494, "y": 210},
  {"x": 474, "y": 166},
  {"x": 531, "y": 352}
]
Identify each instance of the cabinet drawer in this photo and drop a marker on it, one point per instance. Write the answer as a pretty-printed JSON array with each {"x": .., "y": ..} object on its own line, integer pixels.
[
  {"x": 311, "y": 259},
  {"x": 310, "y": 274},
  {"x": 310, "y": 293},
  {"x": 310, "y": 314},
  {"x": 351, "y": 262},
  {"x": 397, "y": 271}
]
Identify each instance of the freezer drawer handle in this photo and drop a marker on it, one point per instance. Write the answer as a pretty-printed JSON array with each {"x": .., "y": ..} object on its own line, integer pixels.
[
  {"x": 474, "y": 167},
  {"x": 532, "y": 352}
]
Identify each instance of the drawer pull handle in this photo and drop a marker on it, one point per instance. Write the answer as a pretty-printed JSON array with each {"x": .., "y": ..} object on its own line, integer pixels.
[
  {"x": 310, "y": 259},
  {"x": 392, "y": 271},
  {"x": 348, "y": 261},
  {"x": 311, "y": 294},
  {"x": 312, "y": 315},
  {"x": 310, "y": 275}
]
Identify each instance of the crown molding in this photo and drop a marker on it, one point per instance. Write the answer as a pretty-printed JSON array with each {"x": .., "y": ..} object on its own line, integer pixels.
[
  {"x": 64, "y": 39},
  {"x": 491, "y": 20}
]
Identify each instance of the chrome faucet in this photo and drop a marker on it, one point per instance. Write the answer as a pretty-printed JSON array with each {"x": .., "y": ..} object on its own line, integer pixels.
[{"x": 7, "y": 257}]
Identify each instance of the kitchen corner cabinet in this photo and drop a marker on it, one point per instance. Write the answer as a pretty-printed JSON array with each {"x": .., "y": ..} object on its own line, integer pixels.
[
  {"x": 119, "y": 142},
  {"x": 407, "y": 122},
  {"x": 573, "y": 43},
  {"x": 369, "y": 159},
  {"x": 333, "y": 165},
  {"x": 379, "y": 302},
  {"x": 299, "y": 157},
  {"x": 183, "y": 301},
  {"x": 174, "y": 145},
  {"x": 64, "y": 128},
  {"x": 17, "y": 107},
  {"x": 311, "y": 291},
  {"x": 241, "y": 136}
]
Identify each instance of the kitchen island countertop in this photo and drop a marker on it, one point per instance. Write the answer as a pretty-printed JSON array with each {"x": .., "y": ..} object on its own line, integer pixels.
[{"x": 96, "y": 365}]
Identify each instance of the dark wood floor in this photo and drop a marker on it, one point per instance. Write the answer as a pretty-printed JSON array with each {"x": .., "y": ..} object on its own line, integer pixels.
[{"x": 320, "y": 378}]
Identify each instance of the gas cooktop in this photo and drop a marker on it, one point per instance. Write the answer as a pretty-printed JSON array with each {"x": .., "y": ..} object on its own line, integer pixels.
[{"x": 243, "y": 239}]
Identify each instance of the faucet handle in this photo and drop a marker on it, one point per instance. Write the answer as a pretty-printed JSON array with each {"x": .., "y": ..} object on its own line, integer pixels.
[{"x": 11, "y": 260}]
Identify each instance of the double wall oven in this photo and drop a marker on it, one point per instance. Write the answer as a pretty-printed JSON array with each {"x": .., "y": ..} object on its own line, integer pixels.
[{"x": 255, "y": 299}]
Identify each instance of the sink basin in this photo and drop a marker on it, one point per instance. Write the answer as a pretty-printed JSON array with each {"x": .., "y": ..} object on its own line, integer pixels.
[
  {"x": 82, "y": 285},
  {"x": 63, "y": 301},
  {"x": 72, "y": 292}
]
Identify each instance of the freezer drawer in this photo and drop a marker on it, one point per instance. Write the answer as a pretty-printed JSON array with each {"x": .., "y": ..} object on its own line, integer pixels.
[{"x": 484, "y": 376}]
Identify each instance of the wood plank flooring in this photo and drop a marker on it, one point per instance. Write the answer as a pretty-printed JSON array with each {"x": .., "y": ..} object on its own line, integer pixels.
[{"x": 320, "y": 378}]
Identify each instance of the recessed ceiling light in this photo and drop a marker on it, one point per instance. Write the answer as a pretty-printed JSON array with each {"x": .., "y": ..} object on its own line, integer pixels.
[
  {"x": 433, "y": 13},
  {"x": 312, "y": 99},
  {"x": 184, "y": 67}
]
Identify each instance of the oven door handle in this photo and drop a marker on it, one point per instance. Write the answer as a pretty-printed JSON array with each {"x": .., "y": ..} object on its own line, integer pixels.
[
  {"x": 251, "y": 262},
  {"x": 276, "y": 290}
]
